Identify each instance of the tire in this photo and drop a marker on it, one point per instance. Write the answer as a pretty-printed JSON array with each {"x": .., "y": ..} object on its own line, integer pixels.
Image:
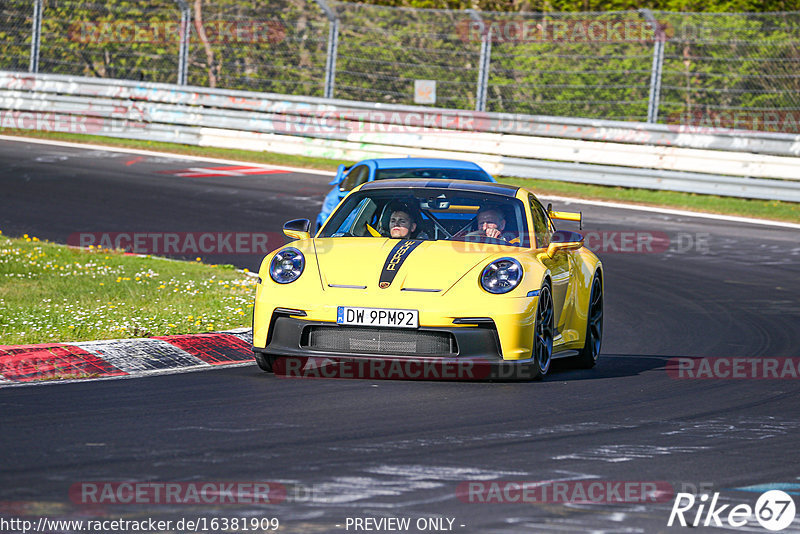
[
  {"x": 587, "y": 358},
  {"x": 543, "y": 329},
  {"x": 264, "y": 361}
]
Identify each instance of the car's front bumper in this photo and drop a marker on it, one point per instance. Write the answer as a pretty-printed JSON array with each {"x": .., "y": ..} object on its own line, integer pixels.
[{"x": 317, "y": 349}]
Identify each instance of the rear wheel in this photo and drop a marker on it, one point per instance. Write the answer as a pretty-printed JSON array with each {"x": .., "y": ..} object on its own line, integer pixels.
[
  {"x": 543, "y": 333},
  {"x": 264, "y": 361},
  {"x": 587, "y": 358}
]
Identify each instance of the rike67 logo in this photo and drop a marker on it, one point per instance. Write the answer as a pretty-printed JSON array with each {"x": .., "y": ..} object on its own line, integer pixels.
[{"x": 774, "y": 510}]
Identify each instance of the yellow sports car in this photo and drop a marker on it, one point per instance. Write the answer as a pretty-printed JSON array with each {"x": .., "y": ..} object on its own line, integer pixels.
[{"x": 413, "y": 278}]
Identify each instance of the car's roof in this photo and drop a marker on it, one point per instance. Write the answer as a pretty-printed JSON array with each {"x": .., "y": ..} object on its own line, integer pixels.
[
  {"x": 460, "y": 185},
  {"x": 414, "y": 163}
]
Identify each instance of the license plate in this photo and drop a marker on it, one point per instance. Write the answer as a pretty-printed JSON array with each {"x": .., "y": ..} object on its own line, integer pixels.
[{"x": 377, "y": 317}]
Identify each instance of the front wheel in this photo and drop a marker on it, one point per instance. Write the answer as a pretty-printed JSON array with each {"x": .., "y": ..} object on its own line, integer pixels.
[
  {"x": 264, "y": 361},
  {"x": 543, "y": 334},
  {"x": 587, "y": 358}
]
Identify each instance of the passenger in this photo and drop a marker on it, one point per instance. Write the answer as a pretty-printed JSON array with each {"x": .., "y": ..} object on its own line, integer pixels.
[
  {"x": 401, "y": 225},
  {"x": 404, "y": 222}
]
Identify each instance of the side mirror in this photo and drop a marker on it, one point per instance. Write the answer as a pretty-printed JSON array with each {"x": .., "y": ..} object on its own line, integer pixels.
[
  {"x": 564, "y": 240},
  {"x": 297, "y": 229},
  {"x": 339, "y": 174}
]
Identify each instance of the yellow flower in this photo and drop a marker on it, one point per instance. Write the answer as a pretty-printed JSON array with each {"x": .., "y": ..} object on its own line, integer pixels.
[{"x": 197, "y": 259}]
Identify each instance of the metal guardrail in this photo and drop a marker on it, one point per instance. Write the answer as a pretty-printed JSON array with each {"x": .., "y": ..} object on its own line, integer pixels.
[{"x": 753, "y": 164}]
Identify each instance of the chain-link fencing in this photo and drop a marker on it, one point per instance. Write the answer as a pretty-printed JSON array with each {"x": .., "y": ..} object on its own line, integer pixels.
[
  {"x": 16, "y": 31},
  {"x": 277, "y": 46},
  {"x": 719, "y": 70},
  {"x": 732, "y": 70}
]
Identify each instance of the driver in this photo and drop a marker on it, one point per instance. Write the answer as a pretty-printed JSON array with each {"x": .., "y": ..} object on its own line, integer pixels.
[{"x": 491, "y": 222}]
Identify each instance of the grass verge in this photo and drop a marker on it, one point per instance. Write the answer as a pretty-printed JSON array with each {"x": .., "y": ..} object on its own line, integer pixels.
[
  {"x": 765, "y": 209},
  {"x": 54, "y": 293}
]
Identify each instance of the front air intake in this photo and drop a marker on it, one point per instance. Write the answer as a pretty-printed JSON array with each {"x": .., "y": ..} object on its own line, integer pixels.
[{"x": 361, "y": 340}]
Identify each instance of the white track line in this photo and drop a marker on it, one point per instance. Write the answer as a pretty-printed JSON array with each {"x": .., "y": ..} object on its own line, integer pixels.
[
  {"x": 160, "y": 154},
  {"x": 618, "y": 205},
  {"x": 670, "y": 211}
]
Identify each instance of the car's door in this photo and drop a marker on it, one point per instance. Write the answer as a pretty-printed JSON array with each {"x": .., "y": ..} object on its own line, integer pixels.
[{"x": 560, "y": 265}]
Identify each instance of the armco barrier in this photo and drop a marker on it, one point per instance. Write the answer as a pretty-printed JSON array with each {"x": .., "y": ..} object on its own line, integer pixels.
[{"x": 728, "y": 163}]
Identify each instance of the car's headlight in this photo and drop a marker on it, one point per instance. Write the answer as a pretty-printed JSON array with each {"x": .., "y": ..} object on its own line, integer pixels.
[
  {"x": 501, "y": 276},
  {"x": 287, "y": 265}
]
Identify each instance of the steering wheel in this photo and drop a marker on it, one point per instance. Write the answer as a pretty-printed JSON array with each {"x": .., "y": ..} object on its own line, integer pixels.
[{"x": 480, "y": 237}]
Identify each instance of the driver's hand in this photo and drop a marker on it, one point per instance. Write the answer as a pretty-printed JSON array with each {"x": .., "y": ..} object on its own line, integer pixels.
[{"x": 493, "y": 232}]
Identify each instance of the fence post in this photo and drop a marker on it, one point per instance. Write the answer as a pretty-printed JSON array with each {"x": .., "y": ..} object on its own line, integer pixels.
[
  {"x": 483, "y": 62},
  {"x": 658, "y": 63},
  {"x": 36, "y": 36},
  {"x": 185, "y": 33},
  {"x": 333, "y": 44}
]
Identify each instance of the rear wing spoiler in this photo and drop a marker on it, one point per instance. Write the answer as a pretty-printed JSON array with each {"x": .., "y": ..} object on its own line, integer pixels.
[
  {"x": 340, "y": 173},
  {"x": 566, "y": 215}
]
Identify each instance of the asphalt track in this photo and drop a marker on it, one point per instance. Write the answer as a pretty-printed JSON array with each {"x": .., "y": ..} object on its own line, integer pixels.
[{"x": 382, "y": 448}]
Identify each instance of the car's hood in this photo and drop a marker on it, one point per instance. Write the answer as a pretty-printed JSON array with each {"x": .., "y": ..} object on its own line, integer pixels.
[{"x": 432, "y": 265}]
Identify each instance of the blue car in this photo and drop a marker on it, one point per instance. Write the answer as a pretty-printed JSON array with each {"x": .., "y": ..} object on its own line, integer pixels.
[{"x": 368, "y": 170}]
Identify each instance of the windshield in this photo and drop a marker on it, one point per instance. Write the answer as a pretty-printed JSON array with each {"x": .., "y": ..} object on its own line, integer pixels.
[
  {"x": 430, "y": 214},
  {"x": 445, "y": 174}
]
